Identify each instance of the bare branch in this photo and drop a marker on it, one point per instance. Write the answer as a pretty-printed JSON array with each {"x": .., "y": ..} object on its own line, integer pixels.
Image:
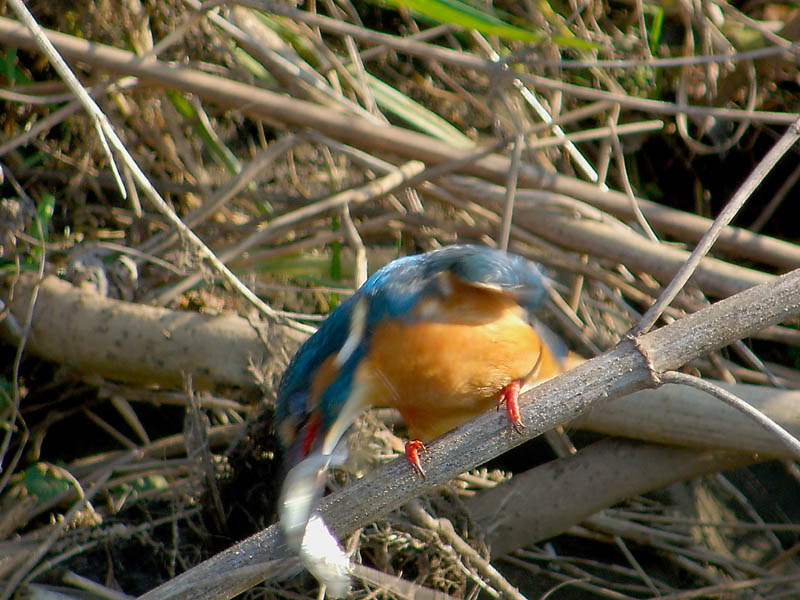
[
  {"x": 786, "y": 438},
  {"x": 632, "y": 365},
  {"x": 761, "y": 170},
  {"x": 595, "y": 478},
  {"x": 136, "y": 342}
]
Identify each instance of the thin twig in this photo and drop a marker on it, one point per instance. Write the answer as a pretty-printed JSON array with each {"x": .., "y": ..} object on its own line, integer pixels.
[
  {"x": 775, "y": 202},
  {"x": 14, "y": 417},
  {"x": 99, "y": 119},
  {"x": 597, "y": 133},
  {"x": 397, "y": 178},
  {"x": 791, "y": 442},
  {"x": 539, "y": 108},
  {"x": 84, "y": 583},
  {"x": 511, "y": 190},
  {"x": 359, "y": 249},
  {"x": 254, "y": 168},
  {"x": 22, "y": 573},
  {"x": 444, "y": 528},
  {"x": 626, "y": 184},
  {"x": 732, "y": 586},
  {"x": 106, "y": 133},
  {"x": 741, "y": 196},
  {"x": 468, "y": 61}
]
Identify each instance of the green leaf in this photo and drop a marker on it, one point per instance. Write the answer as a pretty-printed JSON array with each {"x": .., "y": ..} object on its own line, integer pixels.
[
  {"x": 45, "y": 210},
  {"x": 468, "y": 17},
  {"x": 287, "y": 31},
  {"x": 127, "y": 493},
  {"x": 11, "y": 70},
  {"x": 336, "y": 260},
  {"x": 45, "y": 482},
  {"x": 255, "y": 68},
  {"x": 12, "y": 268},
  {"x": 153, "y": 481},
  {"x": 656, "y": 14},
  {"x": 308, "y": 268},
  {"x": 202, "y": 127},
  {"x": 415, "y": 114},
  {"x": 181, "y": 104},
  {"x": 145, "y": 483},
  {"x": 9, "y": 65},
  {"x": 44, "y": 215}
]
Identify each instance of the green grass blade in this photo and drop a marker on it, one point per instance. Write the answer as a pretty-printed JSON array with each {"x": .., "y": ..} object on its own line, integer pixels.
[
  {"x": 656, "y": 14},
  {"x": 394, "y": 101},
  {"x": 468, "y": 17},
  {"x": 45, "y": 209},
  {"x": 199, "y": 124}
]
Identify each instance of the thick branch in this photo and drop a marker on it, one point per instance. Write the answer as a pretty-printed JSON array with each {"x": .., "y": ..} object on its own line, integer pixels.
[
  {"x": 146, "y": 345},
  {"x": 683, "y": 416},
  {"x": 628, "y": 367},
  {"x": 601, "y": 240},
  {"x": 571, "y": 489},
  {"x": 134, "y": 342}
]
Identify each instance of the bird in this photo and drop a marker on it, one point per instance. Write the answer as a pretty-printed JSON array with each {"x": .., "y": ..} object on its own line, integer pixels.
[{"x": 441, "y": 336}]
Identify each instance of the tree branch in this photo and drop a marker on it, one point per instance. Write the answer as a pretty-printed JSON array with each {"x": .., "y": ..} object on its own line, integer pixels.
[
  {"x": 633, "y": 364},
  {"x": 144, "y": 344},
  {"x": 573, "y": 488},
  {"x": 135, "y": 342}
]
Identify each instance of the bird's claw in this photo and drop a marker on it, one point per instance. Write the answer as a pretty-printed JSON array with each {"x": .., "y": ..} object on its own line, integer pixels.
[
  {"x": 413, "y": 448},
  {"x": 510, "y": 397}
]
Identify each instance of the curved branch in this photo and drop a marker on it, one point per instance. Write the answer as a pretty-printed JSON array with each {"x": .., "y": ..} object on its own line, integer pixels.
[{"x": 632, "y": 365}]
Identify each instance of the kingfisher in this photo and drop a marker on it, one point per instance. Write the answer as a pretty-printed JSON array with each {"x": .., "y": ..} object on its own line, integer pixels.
[{"x": 441, "y": 336}]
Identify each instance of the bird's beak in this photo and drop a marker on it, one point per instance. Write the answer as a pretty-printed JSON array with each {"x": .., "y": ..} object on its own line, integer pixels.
[
  {"x": 307, "y": 465},
  {"x": 302, "y": 488}
]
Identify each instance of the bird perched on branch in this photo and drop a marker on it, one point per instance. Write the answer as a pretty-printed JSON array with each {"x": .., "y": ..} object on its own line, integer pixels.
[{"x": 441, "y": 337}]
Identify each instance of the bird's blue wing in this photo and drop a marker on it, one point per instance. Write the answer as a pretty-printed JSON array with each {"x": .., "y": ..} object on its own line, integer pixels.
[
  {"x": 391, "y": 293},
  {"x": 294, "y": 389}
]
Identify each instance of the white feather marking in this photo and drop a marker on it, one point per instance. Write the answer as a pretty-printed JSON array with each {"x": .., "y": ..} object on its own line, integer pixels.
[
  {"x": 495, "y": 287},
  {"x": 355, "y": 404},
  {"x": 324, "y": 556},
  {"x": 358, "y": 324},
  {"x": 445, "y": 283},
  {"x": 429, "y": 310}
]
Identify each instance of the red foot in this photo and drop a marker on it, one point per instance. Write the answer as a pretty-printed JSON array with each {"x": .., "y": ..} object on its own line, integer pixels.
[
  {"x": 510, "y": 395},
  {"x": 413, "y": 448}
]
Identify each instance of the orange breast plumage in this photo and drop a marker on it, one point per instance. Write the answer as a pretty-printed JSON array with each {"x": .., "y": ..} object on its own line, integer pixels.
[{"x": 454, "y": 362}]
